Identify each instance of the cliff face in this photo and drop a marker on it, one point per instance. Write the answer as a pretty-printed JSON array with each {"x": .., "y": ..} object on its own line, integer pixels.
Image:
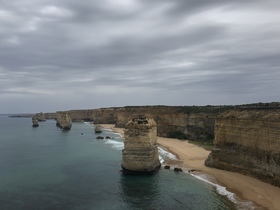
[
  {"x": 194, "y": 123},
  {"x": 140, "y": 153},
  {"x": 248, "y": 142}
]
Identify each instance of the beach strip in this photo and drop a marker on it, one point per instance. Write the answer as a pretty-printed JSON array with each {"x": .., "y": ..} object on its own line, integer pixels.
[{"x": 192, "y": 157}]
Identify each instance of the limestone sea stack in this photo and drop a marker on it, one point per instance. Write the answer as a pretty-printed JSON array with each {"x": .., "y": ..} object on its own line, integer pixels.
[
  {"x": 35, "y": 122},
  {"x": 98, "y": 129},
  {"x": 41, "y": 117},
  {"x": 140, "y": 153},
  {"x": 63, "y": 120}
]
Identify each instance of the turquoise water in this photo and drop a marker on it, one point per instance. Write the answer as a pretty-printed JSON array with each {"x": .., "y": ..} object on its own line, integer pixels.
[{"x": 47, "y": 168}]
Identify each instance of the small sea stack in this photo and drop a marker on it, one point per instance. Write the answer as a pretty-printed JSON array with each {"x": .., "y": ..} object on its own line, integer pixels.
[
  {"x": 63, "y": 121},
  {"x": 41, "y": 117},
  {"x": 98, "y": 129},
  {"x": 35, "y": 122},
  {"x": 140, "y": 153}
]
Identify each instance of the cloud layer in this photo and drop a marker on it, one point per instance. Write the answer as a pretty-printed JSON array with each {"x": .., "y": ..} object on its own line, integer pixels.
[{"x": 58, "y": 55}]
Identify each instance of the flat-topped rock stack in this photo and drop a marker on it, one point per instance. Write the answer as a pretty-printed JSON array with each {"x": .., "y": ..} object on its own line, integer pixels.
[
  {"x": 140, "y": 153},
  {"x": 63, "y": 120}
]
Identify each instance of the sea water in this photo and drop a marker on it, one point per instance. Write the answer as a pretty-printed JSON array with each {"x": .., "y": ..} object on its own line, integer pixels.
[{"x": 48, "y": 168}]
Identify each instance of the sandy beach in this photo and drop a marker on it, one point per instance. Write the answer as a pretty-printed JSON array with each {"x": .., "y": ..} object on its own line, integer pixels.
[{"x": 193, "y": 156}]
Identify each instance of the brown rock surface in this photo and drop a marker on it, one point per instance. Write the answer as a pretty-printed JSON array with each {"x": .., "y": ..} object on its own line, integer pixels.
[
  {"x": 63, "y": 120},
  {"x": 41, "y": 117},
  {"x": 140, "y": 153},
  {"x": 187, "y": 122},
  {"x": 248, "y": 142},
  {"x": 98, "y": 129}
]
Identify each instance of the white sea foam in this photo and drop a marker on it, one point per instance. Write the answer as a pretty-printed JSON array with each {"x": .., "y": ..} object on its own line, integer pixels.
[
  {"x": 119, "y": 134},
  {"x": 115, "y": 144},
  {"x": 161, "y": 160},
  {"x": 241, "y": 205},
  {"x": 164, "y": 154}
]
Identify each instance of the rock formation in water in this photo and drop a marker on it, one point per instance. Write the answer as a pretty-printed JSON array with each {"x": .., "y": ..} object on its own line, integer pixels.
[
  {"x": 41, "y": 117},
  {"x": 140, "y": 153},
  {"x": 98, "y": 129},
  {"x": 248, "y": 142},
  {"x": 34, "y": 122},
  {"x": 63, "y": 121}
]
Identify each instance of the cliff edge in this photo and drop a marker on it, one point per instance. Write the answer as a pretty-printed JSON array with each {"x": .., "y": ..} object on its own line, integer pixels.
[{"x": 248, "y": 142}]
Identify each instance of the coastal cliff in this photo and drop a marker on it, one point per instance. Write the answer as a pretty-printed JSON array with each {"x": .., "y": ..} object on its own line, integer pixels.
[
  {"x": 248, "y": 142},
  {"x": 182, "y": 122}
]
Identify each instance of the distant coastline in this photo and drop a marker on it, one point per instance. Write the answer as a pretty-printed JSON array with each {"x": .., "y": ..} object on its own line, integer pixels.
[{"x": 21, "y": 115}]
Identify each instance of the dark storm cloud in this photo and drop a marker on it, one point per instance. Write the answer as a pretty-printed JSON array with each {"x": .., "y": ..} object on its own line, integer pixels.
[{"x": 96, "y": 49}]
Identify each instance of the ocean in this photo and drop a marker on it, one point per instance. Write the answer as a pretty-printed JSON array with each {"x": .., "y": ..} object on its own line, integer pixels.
[{"x": 47, "y": 168}]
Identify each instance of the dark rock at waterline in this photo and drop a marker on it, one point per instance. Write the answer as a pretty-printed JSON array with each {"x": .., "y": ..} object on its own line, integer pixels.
[
  {"x": 178, "y": 170},
  {"x": 99, "y": 137},
  {"x": 108, "y": 137},
  {"x": 166, "y": 167}
]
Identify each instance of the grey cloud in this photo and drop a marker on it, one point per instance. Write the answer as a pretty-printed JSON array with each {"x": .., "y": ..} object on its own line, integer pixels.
[{"x": 75, "y": 49}]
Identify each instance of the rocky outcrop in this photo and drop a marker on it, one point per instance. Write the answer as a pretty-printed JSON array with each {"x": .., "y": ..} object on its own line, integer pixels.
[
  {"x": 35, "y": 122},
  {"x": 63, "y": 121},
  {"x": 98, "y": 129},
  {"x": 140, "y": 153},
  {"x": 41, "y": 117},
  {"x": 248, "y": 142}
]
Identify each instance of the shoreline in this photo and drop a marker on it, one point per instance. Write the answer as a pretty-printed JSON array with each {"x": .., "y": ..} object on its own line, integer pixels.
[{"x": 192, "y": 158}]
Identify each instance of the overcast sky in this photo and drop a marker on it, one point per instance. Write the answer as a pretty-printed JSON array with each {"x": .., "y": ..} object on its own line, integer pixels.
[{"x": 70, "y": 54}]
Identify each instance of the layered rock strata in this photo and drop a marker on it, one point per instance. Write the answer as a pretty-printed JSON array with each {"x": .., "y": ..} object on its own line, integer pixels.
[
  {"x": 35, "y": 122},
  {"x": 186, "y": 122},
  {"x": 248, "y": 142},
  {"x": 140, "y": 153},
  {"x": 63, "y": 121}
]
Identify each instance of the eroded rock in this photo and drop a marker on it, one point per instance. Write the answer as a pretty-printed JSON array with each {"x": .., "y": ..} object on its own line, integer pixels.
[
  {"x": 63, "y": 121},
  {"x": 35, "y": 122},
  {"x": 98, "y": 129},
  {"x": 248, "y": 142},
  {"x": 140, "y": 153},
  {"x": 178, "y": 170},
  {"x": 41, "y": 117}
]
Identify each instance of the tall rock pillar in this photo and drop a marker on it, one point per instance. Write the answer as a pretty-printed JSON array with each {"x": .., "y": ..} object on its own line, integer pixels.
[
  {"x": 140, "y": 153},
  {"x": 63, "y": 120},
  {"x": 35, "y": 122}
]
